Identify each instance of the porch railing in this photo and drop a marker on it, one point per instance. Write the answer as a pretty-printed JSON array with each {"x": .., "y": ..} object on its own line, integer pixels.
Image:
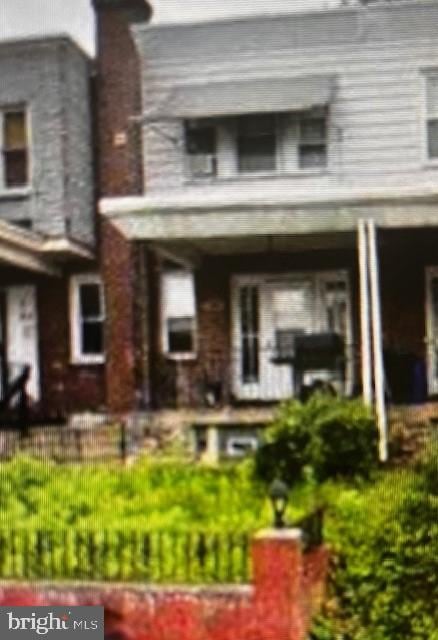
[{"x": 215, "y": 378}]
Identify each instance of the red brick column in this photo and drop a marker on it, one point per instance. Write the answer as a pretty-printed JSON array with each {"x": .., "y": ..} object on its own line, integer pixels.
[
  {"x": 279, "y": 586},
  {"x": 118, "y": 272}
]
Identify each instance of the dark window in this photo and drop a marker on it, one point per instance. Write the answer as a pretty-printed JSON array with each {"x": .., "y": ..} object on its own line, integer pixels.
[
  {"x": 432, "y": 138},
  {"x": 249, "y": 327},
  {"x": 15, "y": 149},
  {"x": 257, "y": 143},
  {"x": 312, "y": 149},
  {"x": 200, "y": 143},
  {"x": 432, "y": 115},
  {"x": 180, "y": 335},
  {"x": 91, "y": 318}
]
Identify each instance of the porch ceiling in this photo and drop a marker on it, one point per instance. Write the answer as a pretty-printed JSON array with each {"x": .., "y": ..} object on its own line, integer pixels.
[{"x": 190, "y": 250}]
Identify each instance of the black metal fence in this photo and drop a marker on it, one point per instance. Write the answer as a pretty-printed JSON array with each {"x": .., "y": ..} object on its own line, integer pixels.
[
  {"x": 62, "y": 443},
  {"x": 128, "y": 556}
]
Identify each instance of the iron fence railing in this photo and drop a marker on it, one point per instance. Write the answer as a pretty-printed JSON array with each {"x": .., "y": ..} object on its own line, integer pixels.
[
  {"x": 159, "y": 557},
  {"x": 128, "y": 556}
]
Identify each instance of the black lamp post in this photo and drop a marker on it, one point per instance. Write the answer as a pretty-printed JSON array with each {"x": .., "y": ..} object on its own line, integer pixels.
[{"x": 278, "y": 493}]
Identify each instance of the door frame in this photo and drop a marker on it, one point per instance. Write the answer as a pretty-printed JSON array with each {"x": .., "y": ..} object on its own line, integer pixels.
[{"x": 259, "y": 279}]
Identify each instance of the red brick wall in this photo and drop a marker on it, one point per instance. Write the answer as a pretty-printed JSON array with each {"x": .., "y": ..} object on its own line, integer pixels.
[
  {"x": 286, "y": 591},
  {"x": 118, "y": 271},
  {"x": 118, "y": 98}
]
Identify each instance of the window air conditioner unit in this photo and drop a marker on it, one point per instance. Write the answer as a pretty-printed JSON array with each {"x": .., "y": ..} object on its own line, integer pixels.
[{"x": 203, "y": 164}]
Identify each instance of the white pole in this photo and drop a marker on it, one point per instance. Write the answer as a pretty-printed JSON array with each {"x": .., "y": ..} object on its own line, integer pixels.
[
  {"x": 364, "y": 295},
  {"x": 376, "y": 316}
]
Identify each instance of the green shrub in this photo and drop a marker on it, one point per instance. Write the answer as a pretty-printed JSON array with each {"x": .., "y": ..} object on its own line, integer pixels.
[
  {"x": 384, "y": 583},
  {"x": 333, "y": 436}
]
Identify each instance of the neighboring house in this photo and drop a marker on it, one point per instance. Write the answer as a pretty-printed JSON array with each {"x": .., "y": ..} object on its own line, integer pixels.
[
  {"x": 266, "y": 141},
  {"x": 51, "y": 300}
]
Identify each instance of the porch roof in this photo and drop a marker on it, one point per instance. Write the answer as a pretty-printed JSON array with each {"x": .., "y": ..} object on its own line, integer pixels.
[
  {"x": 24, "y": 249},
  {"x": 175, "y": 219}
]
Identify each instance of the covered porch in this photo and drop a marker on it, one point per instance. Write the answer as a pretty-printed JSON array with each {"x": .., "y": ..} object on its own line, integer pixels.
[
  {"x": 364, "y": 272},
  {"x": 32, "y": 273}
]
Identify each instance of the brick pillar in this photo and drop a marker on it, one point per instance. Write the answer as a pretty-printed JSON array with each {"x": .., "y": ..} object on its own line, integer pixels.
[
  {"x": 118, "y": 272},
  {"x": 279, "y": 586}
]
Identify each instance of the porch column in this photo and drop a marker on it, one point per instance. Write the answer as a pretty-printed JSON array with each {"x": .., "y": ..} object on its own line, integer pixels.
[
  {"x": 377, "y": 342},
  {"x": 365, "y": 327}
]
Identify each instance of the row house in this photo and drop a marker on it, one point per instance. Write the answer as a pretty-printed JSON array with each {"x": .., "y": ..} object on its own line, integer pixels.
[
  {"x": 269, "y": 184},
  {"x": 51, "y": 298}
]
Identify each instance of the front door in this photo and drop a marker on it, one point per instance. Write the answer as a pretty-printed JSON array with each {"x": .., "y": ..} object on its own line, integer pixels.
[
  {"x": 22, "y": 335},
  {"x": 264, "y": 308}
]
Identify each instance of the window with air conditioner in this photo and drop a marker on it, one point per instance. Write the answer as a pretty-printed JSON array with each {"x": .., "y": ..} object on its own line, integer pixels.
[
  {"x": 257, "y": 144},
  {"x": 178, "y": 314}
]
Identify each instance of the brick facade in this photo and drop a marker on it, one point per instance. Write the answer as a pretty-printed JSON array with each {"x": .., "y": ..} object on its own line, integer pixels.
[{"x": 66, "y": 388}]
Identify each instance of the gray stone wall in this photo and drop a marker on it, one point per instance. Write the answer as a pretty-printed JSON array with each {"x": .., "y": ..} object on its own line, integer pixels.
[{"x": 51, "y": 77}]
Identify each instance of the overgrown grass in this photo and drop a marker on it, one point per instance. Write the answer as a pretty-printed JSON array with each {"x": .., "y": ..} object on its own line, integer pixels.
[{"x": 152, "y": 496}]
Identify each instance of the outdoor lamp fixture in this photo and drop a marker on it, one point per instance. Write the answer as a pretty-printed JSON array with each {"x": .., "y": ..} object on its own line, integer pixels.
[{"x": 278, "y": 493}]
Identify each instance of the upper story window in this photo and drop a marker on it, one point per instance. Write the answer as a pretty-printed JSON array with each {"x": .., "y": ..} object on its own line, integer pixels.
[
  {"x": 432, "y": 116},
  {"x": 257, "y": 144},
  {"x": 15, "y": 151},
  {"x": 178, "y": 314},
  {"x": 201, "y": 148},
  {"x": 87, "y": 319},
  {"x": 312, "y": 140}
]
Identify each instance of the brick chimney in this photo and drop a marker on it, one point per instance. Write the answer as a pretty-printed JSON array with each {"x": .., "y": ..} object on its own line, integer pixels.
[
  {"x": 118, "y": 97},
  {"x": 119, "y": 172}
]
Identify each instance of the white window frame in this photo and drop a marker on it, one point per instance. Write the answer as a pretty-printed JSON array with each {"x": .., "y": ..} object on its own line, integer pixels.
[
  {"x": 12, "y": 108},
  {"x": 426, "y": 75},
  {"x": 178, "y": 356},
  {"x": 286, "y": 157},
  {"x": 76, "y": 281}
]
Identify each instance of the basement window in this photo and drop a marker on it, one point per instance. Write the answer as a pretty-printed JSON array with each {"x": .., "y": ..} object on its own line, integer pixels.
[
  {"x": 15, "y": 148},
  {"x": 87, "y": 319},
  {"x": 178, "y": 314}
]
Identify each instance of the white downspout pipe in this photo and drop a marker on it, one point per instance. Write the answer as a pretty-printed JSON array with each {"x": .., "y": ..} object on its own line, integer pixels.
[
  {"x": 365, "y": 326},
  {"x": 376, "y": 317}
]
